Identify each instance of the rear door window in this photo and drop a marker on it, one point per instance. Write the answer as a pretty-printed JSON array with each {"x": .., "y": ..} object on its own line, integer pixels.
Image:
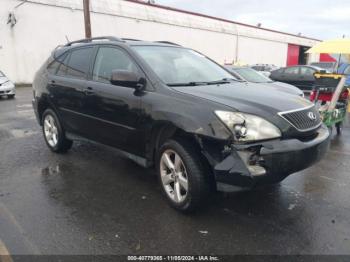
[{"x": 79, "y": 62}]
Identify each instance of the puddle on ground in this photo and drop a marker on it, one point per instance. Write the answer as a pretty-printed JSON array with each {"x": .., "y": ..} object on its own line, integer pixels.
[
  {"x": 24, "y": 106},
  {"x": 20, "y": 133},
  {"x": 51, "y": 170}
]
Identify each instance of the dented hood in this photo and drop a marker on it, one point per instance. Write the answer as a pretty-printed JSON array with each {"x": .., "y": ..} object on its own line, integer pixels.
[{"x": 247, "y": 97}]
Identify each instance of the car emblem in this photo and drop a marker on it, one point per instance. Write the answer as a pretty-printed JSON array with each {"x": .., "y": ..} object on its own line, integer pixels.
[{"x": 312, "y": 116}]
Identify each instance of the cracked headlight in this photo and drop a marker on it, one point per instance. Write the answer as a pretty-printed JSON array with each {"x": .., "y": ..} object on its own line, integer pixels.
[{"x": 248, "y": 128}]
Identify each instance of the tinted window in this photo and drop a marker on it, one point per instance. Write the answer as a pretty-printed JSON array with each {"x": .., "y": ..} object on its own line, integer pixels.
[
  {"x": 79, "y": 62},
  {"x": 292, "y": 70},
  {"x": 307, "y": 71},
  {"x": 53, "y": 66},
  {"x": 63, "y": 61},
  {"x": 1, "y": 74},
  {"x": 109, "y": 59}
]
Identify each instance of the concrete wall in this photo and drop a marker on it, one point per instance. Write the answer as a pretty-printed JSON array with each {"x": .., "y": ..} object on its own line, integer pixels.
[{"x": 43, "y": 24}]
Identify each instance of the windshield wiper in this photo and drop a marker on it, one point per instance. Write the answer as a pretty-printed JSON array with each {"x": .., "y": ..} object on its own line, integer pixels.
[
  {"x": 222, "y": 81},
  {"x": 188, "y": 84},
  {"x": 217, "y": 82}
]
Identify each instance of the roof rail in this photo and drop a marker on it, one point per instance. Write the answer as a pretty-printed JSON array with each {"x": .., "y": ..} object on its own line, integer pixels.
[
  {"x": 167, "y": 42},
  {"x": 87, "y": 40},
  {"x": 131, "y": 39}
]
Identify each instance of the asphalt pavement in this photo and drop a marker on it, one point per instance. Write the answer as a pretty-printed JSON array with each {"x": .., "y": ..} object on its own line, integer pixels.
[{"x": 92, "y": 201}]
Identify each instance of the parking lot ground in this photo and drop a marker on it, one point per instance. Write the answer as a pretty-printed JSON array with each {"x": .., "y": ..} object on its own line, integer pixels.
[{"x": 91, "y": 201}]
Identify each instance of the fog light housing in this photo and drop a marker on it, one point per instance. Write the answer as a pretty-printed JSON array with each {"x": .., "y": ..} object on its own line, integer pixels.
[
  {"x": 251, "y": 161},
  {"x": 257, "y": 170}
]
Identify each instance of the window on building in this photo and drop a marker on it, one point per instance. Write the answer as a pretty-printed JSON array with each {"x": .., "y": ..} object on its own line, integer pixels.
[{"x": 109, "y": 59}]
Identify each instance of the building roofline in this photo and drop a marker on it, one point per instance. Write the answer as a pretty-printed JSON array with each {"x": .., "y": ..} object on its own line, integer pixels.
[{"x": 216, "y": 18}]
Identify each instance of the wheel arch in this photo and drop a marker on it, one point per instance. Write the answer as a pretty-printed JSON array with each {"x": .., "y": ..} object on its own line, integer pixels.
[{"x": 43, "y": 104}]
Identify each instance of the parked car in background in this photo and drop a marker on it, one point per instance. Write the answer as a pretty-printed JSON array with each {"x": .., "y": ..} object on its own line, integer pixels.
[
  {"x": 173, "y": 108},
  {"x": 7, "y": 88},
  {"x": 265, "y": 69},
  {"x": 328, "y": 66},
  {"x": 301, "y": 76},
  {"x": 248, "y": 74}
]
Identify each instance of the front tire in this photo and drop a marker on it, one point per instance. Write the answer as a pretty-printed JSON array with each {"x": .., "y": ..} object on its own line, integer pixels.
[
  {"x": 53, "y": 133},
  {"x": 182, "y": 175},
  {"x": 11, "y": 96}
]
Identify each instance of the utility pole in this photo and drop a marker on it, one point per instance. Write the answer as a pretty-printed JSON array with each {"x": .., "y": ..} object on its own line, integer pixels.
[{"x": 87, "y": 18}]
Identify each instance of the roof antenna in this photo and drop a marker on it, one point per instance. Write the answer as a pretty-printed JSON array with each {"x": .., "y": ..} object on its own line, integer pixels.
[{"x": 67, "y": 38}]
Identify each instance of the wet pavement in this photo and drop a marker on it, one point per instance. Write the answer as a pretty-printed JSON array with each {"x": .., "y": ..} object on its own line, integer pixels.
[{"x": 91, "y": 201}]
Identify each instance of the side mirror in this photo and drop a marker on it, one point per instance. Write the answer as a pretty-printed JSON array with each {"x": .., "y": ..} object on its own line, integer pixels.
[{"x": 127, "y": 79}]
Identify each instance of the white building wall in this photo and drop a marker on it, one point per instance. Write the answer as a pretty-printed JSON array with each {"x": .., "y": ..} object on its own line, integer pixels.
[
  {"x": 43, "y": 24},
  {"x": 259, "y": 51}
]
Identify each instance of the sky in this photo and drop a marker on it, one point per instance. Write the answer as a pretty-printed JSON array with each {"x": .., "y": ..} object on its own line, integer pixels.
[{"x": 321, "y": 19}]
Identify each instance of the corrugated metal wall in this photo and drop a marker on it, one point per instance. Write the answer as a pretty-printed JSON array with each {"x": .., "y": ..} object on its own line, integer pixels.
[{"x": 43, "y": 24}]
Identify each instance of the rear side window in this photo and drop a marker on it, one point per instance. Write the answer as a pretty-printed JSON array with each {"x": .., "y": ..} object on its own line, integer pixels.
[
  {"x": 55, "y": 64},
  {"x": 79, "y": 62},
  {"x": 109, "y": 59},
  {"x": 63, "y": 61},
  {"x": 292, "y": 70},
  {"x": 307, "y": 71}
]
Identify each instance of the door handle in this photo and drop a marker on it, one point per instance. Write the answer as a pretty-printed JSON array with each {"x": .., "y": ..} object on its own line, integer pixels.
[{"x": 89, "y": 91}]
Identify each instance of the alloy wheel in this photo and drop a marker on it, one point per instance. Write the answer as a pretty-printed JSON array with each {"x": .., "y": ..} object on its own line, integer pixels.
[
  {"x": 50, "y": 130},
  {"x": 173, "y": 176}
]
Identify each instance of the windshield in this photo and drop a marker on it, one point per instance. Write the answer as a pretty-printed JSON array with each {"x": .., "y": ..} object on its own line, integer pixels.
[
  {"x": 180, "y": 66},
  {"x": 1, "y": 74},
  {"x": 251, "y": 75}
]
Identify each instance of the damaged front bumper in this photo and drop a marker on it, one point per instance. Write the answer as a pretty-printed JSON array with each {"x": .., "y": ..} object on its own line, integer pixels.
[{"x": 270, "y": 161}]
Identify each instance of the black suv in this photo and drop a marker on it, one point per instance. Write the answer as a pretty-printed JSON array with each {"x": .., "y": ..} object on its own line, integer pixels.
[{"x": 171, "y": 107}]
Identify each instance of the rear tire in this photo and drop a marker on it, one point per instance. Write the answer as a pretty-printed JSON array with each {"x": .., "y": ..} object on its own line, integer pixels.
[
  {"x": 183, "y": 180},
  {"x": 53, "y": 133}
]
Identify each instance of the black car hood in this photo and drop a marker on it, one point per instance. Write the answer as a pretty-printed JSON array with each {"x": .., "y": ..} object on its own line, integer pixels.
[
  {"x": 283, "y": 87},
  {"x": 286, "y": 87},
  {"x": 248, "y": 97}
]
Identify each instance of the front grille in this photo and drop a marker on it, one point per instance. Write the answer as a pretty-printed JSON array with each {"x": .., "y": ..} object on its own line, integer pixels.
[{"x": 303, "y": 119}]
